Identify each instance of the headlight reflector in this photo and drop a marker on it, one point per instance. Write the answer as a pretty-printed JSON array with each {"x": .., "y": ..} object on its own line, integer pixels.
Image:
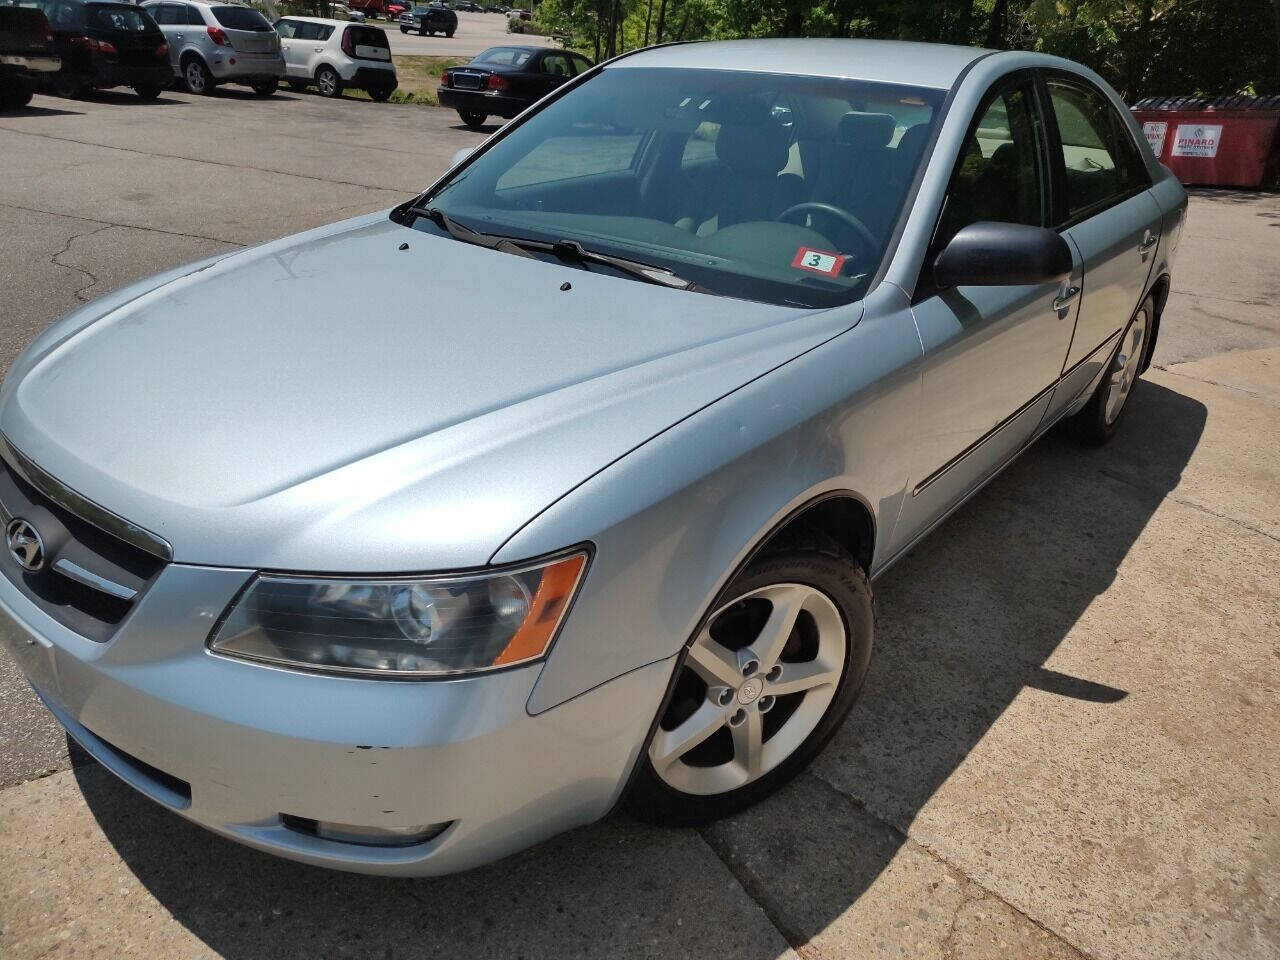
[{"x": 395, "y": 627}]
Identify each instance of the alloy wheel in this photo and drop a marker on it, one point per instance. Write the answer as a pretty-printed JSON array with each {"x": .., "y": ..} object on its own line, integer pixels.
[
  {"x": 327, "y": 81},
  {"x": 195, "y": 77},
  {"x": 755, "y": 684},
  {"x": 1125, "y": 367}
]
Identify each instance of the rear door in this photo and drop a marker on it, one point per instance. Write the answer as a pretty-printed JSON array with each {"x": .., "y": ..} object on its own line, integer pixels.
[
  {"x": 130, "y": 29},
  {"x": 1106, "y": 211},
  {"x": 992, "y": 355},
  {"x": 554, "y": 70}
]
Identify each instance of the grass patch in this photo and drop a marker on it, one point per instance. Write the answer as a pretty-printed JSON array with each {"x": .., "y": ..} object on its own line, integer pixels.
[{"x": 419, "y": 77}]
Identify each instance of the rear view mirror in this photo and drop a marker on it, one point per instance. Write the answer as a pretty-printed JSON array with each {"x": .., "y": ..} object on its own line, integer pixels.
[
  {"x": 461, "y": 155},
  {"x": 992, "y": 254}
]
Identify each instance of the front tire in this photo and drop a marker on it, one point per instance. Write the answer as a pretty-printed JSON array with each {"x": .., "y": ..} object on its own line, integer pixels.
[
  {"x": 448, "y": 34},
  {"x": 328, "y": 82},
  {"x": 761, "y": 689},
  {"x": 148, "y": 91},
  {"x": 1098, "y": 422}
]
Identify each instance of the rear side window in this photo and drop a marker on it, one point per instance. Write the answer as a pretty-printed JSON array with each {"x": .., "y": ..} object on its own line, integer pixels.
[
  {"x": 287, "y": 28},
  {"x": 65, "y": 14},
  {"x": 240, "y": 18},
  {"x": 194, "y": 17},
  {"x": 556, "y": 64},
  {"x": 1101, "y": 162},
  {"x": 120, "y": 17}
]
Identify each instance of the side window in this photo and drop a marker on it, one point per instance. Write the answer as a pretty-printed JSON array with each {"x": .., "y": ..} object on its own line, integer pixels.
[
  {"x": 580, "y": 64},
  {"x": 1100, "y": 159},
  {"x": 288, "y": 29},
  {"x": 193, "y": 17},
  {"x": 323, "y": 32},
  {"x": 556, "y": 64},
  {"x": 161, "y": 12},
  {"x": 1000, "y": 175}
]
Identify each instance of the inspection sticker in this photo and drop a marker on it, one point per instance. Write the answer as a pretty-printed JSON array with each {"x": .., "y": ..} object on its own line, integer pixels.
[{"x": 819, "y": 261}]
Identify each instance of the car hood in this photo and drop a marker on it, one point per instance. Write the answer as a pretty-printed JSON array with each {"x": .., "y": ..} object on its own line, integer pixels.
[{"x": 332, "y": 401}]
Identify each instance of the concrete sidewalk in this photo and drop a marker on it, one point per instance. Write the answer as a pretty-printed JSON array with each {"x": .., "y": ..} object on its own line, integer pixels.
[{"x": 1067, "y": 743}]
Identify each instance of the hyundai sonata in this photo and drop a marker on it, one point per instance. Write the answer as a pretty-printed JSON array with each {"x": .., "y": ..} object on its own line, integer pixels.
[{"x": 576, "y": 499}]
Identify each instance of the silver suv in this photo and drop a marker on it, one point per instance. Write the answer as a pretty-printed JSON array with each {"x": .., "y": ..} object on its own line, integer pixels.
[{"x": 213, "y": 43}]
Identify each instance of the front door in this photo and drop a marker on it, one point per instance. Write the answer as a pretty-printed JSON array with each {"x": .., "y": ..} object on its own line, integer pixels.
[{"x": 991, "y": 354}]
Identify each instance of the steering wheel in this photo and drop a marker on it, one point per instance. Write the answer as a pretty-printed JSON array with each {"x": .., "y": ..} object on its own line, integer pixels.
[{"x": 831, "y": 210}]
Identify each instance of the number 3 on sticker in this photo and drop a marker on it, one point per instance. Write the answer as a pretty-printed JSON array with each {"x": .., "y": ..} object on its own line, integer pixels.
[{"x": 819, "y": 261}]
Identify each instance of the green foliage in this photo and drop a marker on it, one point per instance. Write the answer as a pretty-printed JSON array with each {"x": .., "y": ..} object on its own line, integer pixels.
[{"x": 1143, "y": 47}]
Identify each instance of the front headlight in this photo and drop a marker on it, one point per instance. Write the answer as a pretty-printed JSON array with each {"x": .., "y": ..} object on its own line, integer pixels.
[{"x": 394, "y": 627}]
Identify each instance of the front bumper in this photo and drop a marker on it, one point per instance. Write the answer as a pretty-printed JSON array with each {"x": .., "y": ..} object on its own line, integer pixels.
[
  {"x": 480, "y": 101},
  {"x": 242, "y": 749}
]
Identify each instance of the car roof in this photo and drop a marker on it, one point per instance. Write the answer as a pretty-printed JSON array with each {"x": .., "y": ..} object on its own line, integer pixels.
[
  {"x": 336, "y": 23},
  {"x": 934, "y": 65}
]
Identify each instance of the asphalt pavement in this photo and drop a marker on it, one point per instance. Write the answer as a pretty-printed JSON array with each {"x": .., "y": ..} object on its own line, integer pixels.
[{"x": 1066, "y": 747}]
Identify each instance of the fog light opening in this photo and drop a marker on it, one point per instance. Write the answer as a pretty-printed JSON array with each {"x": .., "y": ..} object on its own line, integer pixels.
[{"x": 364, "y": 836}]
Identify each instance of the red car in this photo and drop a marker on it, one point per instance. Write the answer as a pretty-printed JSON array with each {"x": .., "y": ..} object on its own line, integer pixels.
[{"x": 378, "y": 8}]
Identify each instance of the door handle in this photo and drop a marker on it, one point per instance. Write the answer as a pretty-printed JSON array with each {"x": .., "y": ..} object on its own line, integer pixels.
[
  {"x": 318, "y": 49},
  {"x": 1147, "y": 243},
  {"x": 1064, "y": 300}
]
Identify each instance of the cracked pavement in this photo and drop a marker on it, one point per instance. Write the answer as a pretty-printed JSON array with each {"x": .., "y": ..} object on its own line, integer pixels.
[{"x": 1066, "y": 746}]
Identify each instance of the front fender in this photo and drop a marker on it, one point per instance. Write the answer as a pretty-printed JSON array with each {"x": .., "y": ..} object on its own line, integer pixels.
[{"x": 675, "y": 518}]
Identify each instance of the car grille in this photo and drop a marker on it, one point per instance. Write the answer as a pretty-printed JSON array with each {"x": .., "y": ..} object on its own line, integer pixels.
[
  {"x": 465, "y": 81},
  {"x": 88, "y": 577}
]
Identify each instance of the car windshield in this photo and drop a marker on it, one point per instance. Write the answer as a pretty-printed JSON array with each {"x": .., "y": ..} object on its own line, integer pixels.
[
  {"x": 118, "y": 16},
  {"x": 767, "y": 187},
  {"x": 240, "y": 18}
]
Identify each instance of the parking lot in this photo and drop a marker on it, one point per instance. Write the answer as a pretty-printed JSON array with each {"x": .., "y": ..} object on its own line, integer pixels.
[
  {"x": 1068, "y": 743},
  {"x": 476, "y": 32}
]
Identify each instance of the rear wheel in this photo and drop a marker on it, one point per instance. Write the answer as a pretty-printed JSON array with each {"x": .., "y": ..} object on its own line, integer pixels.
[
  {"x": 762, "y": 688},
  {"x": 473, "y": 118},
  {"x": 196, "y": 77},
  {"x": 424, "y": 32},
  {"x": 147, "y": 91},
  {"x": 265, "y": 88},
  {"x": 69, "y": 85},
  {"x": 328, "y": 82},
  {"x": 15, "y": 94},
  {"x": 448, "y": 34},
  {"x": 1098, "y": 421}
]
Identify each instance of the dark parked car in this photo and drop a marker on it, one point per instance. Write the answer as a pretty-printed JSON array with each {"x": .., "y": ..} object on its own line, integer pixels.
[
  {"x": 431, "y": 19},
  {"x": 26, "y": 53},
  {"x": 105, "y": 45},
  {"x": 468, "y": 6},
  {"x": 502, "y": 81}
]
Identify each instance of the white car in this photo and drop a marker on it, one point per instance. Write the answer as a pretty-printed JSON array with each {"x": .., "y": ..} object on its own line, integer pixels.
[{"x": 334, "y": 55}]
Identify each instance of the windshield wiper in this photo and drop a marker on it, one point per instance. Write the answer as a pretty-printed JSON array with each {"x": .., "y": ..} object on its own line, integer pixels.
[
  {"x": 571, "y": 251},
  {"x": 467, "y": 235}
]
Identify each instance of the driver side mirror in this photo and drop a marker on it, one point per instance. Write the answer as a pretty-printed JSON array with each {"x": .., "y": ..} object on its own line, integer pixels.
[
  {"x": 461, "y": 155},
  {"x": 990, "y": 254}
]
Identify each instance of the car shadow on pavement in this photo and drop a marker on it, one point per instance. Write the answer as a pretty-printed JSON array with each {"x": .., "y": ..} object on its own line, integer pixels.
[
  {"x": 30, "y": 111},
  {"x": 966, "y": 623}
]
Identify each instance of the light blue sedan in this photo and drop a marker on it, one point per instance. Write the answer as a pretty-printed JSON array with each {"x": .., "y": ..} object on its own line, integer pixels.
[{"x": 401, "y": 544}]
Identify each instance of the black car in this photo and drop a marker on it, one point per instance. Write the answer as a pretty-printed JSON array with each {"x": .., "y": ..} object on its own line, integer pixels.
[
  {"x": 502, "y": 81},
  {"x": 431, "y": 19},
  {"x": 105, "y": 44},
  {"x": 468, "y": 6},
  {"x": 26, "y": 54}
]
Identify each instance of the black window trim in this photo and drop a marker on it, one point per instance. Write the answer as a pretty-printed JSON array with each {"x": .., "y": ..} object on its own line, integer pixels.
[
  {"x": 1062, "y": 218},
  {"x": 1023, "y": 76}
]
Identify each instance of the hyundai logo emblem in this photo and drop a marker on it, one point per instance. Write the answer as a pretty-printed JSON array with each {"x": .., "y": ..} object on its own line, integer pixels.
[{"x": 25, "y": 545}]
